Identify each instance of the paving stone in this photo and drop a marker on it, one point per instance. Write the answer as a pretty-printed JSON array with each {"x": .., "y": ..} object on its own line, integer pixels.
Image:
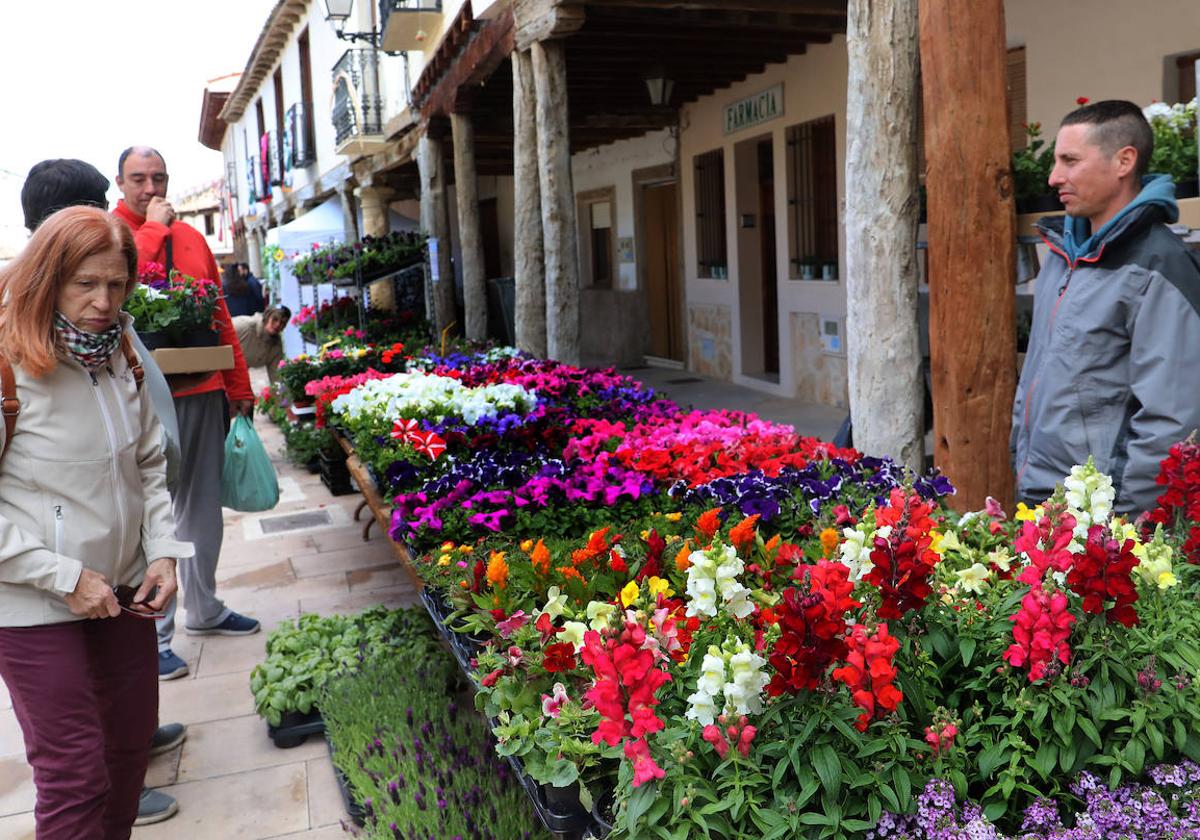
[
  {"x": 236, "y": 745},
  {"x": 12, "y": 742},
  {"x": 366, "y": 556},
  {"x": 204, "y": 699},
  {"x": 231, "y": 655},
  {"x": 329, "y": 832},
  {"x": 17, "y": 793},
  {"x": 369, "y": 580},
  {"x": 164, "y": 768},
  {"x": 397, "y": 596},
  {"x": 20, "y": 827},
  {"x": 325, "y": 806},
  {"x": 256, "y": 804}
]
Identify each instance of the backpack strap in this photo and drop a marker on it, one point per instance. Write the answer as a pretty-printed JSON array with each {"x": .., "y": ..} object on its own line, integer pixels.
[
  {"x": 10, "y": 406},
  {"x": 131, "y": 358}
]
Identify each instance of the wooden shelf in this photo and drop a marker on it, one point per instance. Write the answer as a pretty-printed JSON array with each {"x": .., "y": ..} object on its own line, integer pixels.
[{"x": 381, "y": 512}]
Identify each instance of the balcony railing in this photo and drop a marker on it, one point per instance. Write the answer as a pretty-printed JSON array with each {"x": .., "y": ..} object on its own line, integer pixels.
[
  {"x": 407, "y": 24},
  {"x": 357, "y": 105}
]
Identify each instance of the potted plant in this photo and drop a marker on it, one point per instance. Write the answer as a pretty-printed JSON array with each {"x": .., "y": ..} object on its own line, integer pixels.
[
  {"x": 1174, "y": 128},
  {"x": 173, "y": 310},
  {"x": 1031, "y": 172}
]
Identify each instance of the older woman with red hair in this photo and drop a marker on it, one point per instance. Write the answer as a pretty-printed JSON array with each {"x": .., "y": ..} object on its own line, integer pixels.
[{"x": 87, "y": 541}]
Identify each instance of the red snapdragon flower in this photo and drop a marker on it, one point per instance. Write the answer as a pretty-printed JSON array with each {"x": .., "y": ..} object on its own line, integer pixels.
[
  {"x": 869, "y": 672},
  {"x": 812, "y": 619},
  {"x": 1041, "y": 630},
  {"x": 1103, "y": 574},
  {"x": 627, "y": 680},
  {"x": 904, "y": 560}
]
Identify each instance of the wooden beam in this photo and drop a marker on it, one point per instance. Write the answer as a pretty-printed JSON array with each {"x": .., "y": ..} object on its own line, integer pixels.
[
  {"x": 542, "y": 20},
  {"x": 791, "y": 7},
  {"x": 528, "y": 256},
  {"x": 972, "y": 240},
  {"x": 479, "y": 59},
  {"x": 881, "y": 230}
]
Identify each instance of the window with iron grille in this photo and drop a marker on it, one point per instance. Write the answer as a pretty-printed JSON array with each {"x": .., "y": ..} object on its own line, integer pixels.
[
  {"x": 812, "y": 200},
  {"x": 710, "y": 214}
]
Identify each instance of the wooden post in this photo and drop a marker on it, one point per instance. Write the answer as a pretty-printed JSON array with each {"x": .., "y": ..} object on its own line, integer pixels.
[
  {"x": 558, "y": 202},
  {"x": 436, "y": 224},
  {"x": 881, "y": 230},
  {"x": 527, "y": 224},
  {"x": 470, "y": 239},
  {"x": 972, "y": 242}
]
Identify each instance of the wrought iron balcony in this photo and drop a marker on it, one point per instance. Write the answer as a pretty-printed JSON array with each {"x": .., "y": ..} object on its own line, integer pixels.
[
  {"x": 407, "y": 24},
  {"x": 357, "y": 105}
]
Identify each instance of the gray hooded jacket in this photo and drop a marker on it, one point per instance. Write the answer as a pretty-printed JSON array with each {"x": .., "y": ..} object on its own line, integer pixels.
[{"x": 1113, "y": 368}]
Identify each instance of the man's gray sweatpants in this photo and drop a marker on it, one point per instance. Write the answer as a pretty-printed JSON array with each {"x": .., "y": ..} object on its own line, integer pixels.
[{"x": 198, "y": 511}]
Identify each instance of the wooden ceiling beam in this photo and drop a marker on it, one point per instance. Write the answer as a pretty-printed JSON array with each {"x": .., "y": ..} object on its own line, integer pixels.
[{"x": 791, "y": 7}]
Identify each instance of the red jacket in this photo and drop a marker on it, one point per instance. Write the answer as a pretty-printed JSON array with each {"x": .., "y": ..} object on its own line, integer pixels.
[{"x": 190, "y": 255}]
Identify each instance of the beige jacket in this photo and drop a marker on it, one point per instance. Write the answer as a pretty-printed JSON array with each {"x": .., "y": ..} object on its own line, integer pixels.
[
  {"x": 83, "y": 484},
  {"x": 259, "y": 348}
]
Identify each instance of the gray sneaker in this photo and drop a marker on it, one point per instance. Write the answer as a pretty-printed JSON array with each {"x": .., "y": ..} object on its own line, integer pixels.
[
  {"x": 167, "y": 737},
  {"x": 155, "y": 806}
]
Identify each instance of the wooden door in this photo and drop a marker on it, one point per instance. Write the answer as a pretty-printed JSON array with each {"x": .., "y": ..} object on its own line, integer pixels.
[
  {"x": 489, "y": 229},
  {"x": 661, "y": 249},
  {"x": 766, "y": 228}
]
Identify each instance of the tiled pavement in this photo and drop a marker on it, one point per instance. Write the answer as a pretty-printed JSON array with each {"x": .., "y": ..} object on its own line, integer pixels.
[{"x": 231, "y": 782}]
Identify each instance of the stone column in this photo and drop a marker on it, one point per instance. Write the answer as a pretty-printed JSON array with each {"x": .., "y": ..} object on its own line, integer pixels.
[
  {"x": 558, "y": 202},
  {"x": 527, "y": 201},
  {"x": 374, "y": 203},
  {"x": 349, "y": 214},
  {"x": 470, "y": 238},
  {"x": 254, "y": 246},
  {"x": 434, "y": 221}
]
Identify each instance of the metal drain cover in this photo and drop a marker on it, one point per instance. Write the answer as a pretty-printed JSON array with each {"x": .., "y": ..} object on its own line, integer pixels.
[
  {"x": 686, "y": 380},
  {"x": 295, "y": 521}
]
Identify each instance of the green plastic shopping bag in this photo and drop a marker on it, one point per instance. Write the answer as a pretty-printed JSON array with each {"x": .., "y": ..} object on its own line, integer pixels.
[{"x": 248, "y": 480}]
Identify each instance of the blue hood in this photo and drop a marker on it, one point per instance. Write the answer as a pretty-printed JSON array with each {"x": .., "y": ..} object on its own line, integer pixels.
[{"x": 1157, "y": 190}]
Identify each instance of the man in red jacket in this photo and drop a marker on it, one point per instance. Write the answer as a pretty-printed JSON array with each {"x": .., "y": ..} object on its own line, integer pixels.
[{"x": 142, "y": 178}]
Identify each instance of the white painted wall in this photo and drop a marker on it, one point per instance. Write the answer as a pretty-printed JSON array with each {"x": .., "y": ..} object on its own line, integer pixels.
[
  {"x": 613, "y": 166},
  {"x": 1101, "y": 50},
  {"x": 814, "y": 85}
]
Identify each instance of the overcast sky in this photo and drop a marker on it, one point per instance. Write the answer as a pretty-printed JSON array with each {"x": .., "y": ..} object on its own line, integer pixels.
[{"x": 87, "y": 78}]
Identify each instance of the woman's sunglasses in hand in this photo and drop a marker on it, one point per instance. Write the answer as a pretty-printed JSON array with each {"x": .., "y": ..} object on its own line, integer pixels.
[{"x": 125, "y": 595}]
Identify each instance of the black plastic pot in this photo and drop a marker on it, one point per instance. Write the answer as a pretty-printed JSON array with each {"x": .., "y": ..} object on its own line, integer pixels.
[
  {"x": 294, "y": 729},
  {"x": 334, "y": 474},
  {"x": 1187, "y": 189},
  {"x": 602, "y": 815},
  {"x": 1045, "y": 203},
  {"x": 354, "y": 808},
  {"x": 158, "y": 339},
  {"x": 571, "y": 822}
]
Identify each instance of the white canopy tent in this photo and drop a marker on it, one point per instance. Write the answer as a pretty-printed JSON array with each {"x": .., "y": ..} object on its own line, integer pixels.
[{"x": 321, "y": 225}]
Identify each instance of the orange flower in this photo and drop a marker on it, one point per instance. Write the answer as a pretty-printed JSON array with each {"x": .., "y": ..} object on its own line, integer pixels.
[
  {"x": 540, "y": 558},
  {"x": 571, "y": 572},
  {"x": 773, "y": 544},
  {"x": 596, "y": 545},
  {"x": 497, "y": 570},
  {"x": 829, "y": 540},
  {"x": 743, "y": 532},
  {"x": 681, "y": 559},
  {"x": 709, "y": 522}
]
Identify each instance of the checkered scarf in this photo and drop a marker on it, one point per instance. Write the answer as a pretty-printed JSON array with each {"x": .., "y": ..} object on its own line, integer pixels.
[{"x": 91, "y": 350}]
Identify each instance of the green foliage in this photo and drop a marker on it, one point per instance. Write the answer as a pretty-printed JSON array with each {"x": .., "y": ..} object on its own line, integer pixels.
[
  {"x": 1031, "y": 165},
  {"x": 1174, "y": 128},
  {"x": 395, "y": 722},
  {"x": 373, "y": 257},
  {"x": 302, "y": 656}
]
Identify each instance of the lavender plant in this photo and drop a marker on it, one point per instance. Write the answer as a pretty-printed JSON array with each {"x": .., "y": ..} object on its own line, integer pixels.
[{"x": 420, "y": 764}]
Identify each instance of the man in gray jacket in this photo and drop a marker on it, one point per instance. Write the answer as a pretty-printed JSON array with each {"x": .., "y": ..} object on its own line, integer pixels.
[{"x": 1116, "y": 320}]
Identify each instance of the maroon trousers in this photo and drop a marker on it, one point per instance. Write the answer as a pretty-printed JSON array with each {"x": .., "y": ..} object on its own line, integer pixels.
[{"x": 86, "y": 696}]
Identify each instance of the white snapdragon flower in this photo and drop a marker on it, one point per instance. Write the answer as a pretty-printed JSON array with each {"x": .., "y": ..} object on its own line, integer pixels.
[{"x": 743, "y": 692}]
